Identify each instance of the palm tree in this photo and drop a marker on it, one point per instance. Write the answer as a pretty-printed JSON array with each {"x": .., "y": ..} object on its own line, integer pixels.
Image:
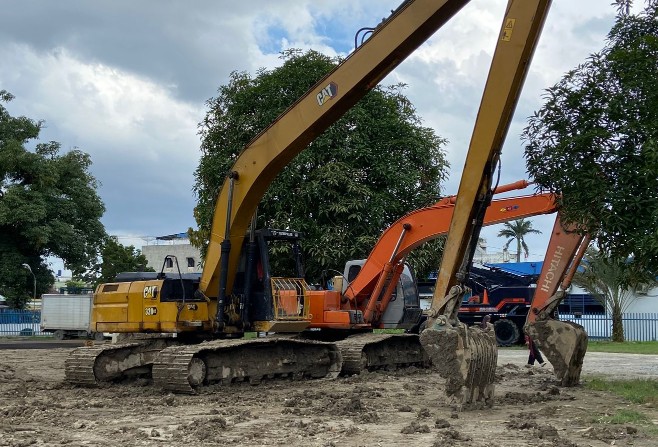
[
  {"x": 517, "y": 230},
  {"x": 614, "y": 283}
]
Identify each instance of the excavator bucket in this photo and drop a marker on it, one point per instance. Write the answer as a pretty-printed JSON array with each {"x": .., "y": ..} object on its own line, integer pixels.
[
  {"x": 466, "y": 358},
  {"x": 564, "y": 344}
]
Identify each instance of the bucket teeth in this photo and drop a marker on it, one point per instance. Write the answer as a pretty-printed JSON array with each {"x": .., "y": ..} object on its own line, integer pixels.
[
  {"x": 466, "y": 358},
  {"x": 564, "y": 344}
]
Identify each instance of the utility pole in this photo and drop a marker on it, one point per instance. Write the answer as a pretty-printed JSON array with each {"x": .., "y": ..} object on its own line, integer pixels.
[{"x": 34, "y": 290}]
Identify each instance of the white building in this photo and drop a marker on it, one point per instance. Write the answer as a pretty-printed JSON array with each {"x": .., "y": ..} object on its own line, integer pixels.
[
  {"x": 483, "y": 257},
  {"x": 182, "y": 255}
]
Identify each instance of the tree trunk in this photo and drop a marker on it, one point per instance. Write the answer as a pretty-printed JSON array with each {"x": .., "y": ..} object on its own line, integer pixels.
[
  {"x": 617, "y": 325},
  {"x": 518, "y": 250}
]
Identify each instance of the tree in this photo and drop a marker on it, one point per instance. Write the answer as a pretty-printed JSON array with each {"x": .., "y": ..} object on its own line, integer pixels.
[
  {"x": 116, "y": 258},
  {"x": 75, "y": 285},
  {"x": 48, "y": 207},
  {"x": 371, "y": 167},
  {"x": 614, "y": 283},
  {"x": 594, "y": 142},
  {"x": 516, "y": 231}
]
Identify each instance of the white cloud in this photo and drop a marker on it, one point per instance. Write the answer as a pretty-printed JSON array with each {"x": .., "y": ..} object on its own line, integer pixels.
[
  {"x": 142, "y": 141},
  {"x": 130, "y": 91}
]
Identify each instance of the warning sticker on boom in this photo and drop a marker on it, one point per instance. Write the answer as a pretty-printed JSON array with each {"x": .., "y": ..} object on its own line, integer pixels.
[{"x": 507, "y": 30}]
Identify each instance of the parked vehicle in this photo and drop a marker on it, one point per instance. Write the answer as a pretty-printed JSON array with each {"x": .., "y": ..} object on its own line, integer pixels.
[{"x": 68, "y": 316}]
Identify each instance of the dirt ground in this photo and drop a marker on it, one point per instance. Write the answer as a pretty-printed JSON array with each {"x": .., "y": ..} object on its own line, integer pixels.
[{"x": 383, "y": 408}]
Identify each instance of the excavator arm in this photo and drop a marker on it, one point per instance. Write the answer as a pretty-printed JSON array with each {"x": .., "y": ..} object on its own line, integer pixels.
[
  {"x": 269, "y": 152},
  {"x": 563, "y": 343},
  {"x": 522, "y": 26},
  {"x": 565, "y": 251},
  {"x": 467, "y": 358}
]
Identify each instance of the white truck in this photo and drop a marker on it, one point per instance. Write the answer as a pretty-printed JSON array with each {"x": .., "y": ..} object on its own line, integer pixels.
[{"x": 68, "y": 316}]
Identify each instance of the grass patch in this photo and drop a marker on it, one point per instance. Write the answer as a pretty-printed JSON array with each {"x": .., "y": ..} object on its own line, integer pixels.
[
  {"x": 638, "y": 391},
  {"x": 628, "y": 347},
  {"x": 624, "y": 416},
  {"x": 388, "y": 331}
]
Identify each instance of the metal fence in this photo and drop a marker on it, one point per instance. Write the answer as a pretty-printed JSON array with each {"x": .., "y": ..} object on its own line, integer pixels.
[
  {"x": 20, "y": 322},
  {"x": 637, "y": 326}
]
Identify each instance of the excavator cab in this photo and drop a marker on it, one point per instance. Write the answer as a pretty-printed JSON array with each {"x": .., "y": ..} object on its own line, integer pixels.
[{"x": 402, "y": 310}]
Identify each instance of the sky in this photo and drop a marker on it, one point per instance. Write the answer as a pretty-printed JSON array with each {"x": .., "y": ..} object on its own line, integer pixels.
[{"x": 127, "y": 82}]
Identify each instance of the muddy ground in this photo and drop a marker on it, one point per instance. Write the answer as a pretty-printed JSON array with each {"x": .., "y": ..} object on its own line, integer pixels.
[{"x": 384, "y": 408}]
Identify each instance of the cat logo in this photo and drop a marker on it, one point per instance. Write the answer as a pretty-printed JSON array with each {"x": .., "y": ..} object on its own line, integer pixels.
[
  {"x": 151, "y": 292},
  {"x": 327, "y": 93},
  {"x": 150, "y": 311}
]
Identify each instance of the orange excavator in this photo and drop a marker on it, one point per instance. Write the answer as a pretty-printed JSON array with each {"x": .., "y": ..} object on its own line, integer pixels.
[
  {"x": 373, "y": 283},
  {"x": 379, "y": 296},
  {"x": 237, "y": 292}
]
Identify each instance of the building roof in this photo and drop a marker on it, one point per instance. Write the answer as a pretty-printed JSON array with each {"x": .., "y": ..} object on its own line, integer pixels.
[
  {"x": 171, "y": 237},
  {"x": 518, "y": 268}
]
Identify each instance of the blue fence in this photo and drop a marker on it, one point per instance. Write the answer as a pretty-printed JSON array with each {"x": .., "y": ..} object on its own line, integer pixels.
[
  {"x": 637, "y": 326},
  {"x": 20, "y": 322}
]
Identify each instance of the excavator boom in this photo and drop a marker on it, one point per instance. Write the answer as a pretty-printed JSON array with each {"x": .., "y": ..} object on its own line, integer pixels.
[
  {"x": 518, "y": 39},
  {"x": 425, "y": 224},
  {"x": 269, "y": 152},
  {"x": 467, "y": 358}
]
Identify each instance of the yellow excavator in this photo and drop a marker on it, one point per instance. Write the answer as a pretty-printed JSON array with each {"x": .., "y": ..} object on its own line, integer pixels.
[
  {"x": 237, "y": 292},
  {"x": 208, "y": 316}
]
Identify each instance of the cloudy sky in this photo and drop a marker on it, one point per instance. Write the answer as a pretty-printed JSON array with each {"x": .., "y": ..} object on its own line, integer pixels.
[{"x": 126, "y": 81}]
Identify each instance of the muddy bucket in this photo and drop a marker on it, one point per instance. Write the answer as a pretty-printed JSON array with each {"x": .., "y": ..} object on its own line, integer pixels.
[
  {"x": 564, "y": 344},
  {"x": 466, "y": 358}
]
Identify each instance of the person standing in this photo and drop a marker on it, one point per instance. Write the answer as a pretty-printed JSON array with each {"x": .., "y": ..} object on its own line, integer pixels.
[{"x": 534, "y": 353}]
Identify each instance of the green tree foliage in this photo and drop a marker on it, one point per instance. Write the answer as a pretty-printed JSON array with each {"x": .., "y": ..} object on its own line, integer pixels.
[
  {"x": 372, "y": 166},
  {"x": 517, "y": 231},
  {"x": 595, "y": 140},
  {"x": 116, "y": 258},
  {"x": 77, "y": 286},
  {"x": 614, "y": 283},
  {"x": 48, "y": 207}
]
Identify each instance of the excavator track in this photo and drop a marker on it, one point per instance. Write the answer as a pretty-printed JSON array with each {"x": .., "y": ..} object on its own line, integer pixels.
[
  {"x": 374, "y": 351},
  {"x": 88, "y": 366},
  {"x": 182, "y": 369}
]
